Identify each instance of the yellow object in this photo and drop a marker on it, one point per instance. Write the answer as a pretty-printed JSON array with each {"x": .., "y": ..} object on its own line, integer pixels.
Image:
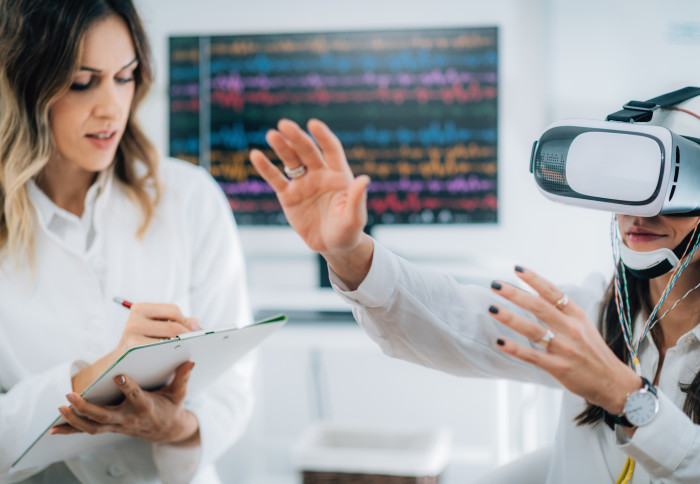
[{"x": 627, "y": 472}]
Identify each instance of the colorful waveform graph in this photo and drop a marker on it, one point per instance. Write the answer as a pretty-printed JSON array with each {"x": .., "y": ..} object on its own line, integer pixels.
[{"x": 416, "y": 110}]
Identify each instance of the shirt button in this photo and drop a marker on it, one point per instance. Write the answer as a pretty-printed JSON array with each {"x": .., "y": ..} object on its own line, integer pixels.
[{"x": 115, "y": 470}]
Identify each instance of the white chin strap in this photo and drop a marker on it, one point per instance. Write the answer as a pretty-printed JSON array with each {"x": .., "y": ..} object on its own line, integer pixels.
[{"x": 653, "y": 263}]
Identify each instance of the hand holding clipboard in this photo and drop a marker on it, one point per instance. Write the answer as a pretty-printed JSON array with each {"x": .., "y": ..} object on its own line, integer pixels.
[{"x": 151, "y": 366}]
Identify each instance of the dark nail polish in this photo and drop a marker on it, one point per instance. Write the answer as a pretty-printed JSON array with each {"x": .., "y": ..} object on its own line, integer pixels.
[
  {"x": 496, "y": 285},
  {"x": 519, "y": 269},
  {"x": 500, "y": 342},
  {"x": 493, "y": 309},
  {"x": 120, "y": 380}
]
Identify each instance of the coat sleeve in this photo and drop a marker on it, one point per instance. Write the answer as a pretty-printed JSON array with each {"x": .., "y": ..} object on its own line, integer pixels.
[
  {"x": 428, "y": 318},
  {"x": 652, "y": 449},
  {"x": 27, "y": 409}
]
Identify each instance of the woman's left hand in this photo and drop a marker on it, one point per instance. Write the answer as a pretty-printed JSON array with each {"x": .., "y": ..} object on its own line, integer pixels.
[
  {"x": 577, "y": 355},
  {"x": 157, "y": 417}
]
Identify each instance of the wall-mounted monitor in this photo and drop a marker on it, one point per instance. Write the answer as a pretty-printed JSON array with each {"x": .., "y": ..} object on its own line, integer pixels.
[{"x": 416, "y": 110}]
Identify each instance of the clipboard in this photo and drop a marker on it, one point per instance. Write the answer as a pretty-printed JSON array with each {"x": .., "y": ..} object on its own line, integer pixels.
[{"x": 152, "y": 366}]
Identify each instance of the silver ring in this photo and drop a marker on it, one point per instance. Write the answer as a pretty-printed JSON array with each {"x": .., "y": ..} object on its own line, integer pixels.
[
  {"x": 545, "y": 340},
  {"x": 295, "y": 172},
  {"x": 562, "y": 302}
]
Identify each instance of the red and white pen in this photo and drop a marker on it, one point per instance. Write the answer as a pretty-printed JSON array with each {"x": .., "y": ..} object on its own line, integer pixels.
[{"x": 123, "y": 302}]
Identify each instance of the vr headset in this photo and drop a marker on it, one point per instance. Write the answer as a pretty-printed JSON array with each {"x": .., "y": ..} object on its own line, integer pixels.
[{"x": 622, "y": 165}]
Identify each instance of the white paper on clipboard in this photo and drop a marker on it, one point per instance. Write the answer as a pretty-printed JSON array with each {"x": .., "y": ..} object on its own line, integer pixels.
[{"x": 152, "y": 366}]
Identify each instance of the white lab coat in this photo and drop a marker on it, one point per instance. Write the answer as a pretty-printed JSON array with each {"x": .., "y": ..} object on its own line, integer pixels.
[
  {"x": 60, "y": 317},
  {"x": 427, "y": 318}
]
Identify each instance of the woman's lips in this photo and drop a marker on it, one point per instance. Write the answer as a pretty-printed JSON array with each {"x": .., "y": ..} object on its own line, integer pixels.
[
  {"x": 642, "y": 236},
  {"x": 103, "y": 140}
]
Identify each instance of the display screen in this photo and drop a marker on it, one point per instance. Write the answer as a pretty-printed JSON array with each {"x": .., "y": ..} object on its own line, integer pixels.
[{"x": 416, "y": 110}]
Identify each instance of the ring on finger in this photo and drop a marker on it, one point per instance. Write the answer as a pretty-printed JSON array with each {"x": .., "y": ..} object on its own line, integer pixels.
[
  {"x": 296, "y": 172},
  {"x": 562, "y": 302},
  {"x": 545, "y": 340}
]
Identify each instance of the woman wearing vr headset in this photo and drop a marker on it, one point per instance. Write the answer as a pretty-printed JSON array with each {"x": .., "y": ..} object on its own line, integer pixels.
[
  {"x": 91, "y": 212},
  {"x": 627, "y": 357}
]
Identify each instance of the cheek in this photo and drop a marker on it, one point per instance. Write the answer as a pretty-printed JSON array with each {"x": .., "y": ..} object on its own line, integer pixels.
[
  {"x": 65, "y": 117},
  {"x": 683, "y": 228},
  {"x": 59, "y": 122},
  {"x": 126, "y": 99}
]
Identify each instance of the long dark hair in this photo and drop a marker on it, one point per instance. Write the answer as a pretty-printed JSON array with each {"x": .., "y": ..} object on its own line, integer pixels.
[
  {"x": 609, "y": 320},
  {"x": 40, "y": 48}
]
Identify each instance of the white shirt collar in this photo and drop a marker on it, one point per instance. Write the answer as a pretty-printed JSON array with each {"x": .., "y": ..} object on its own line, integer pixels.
[{"x": 77, "y": 232}]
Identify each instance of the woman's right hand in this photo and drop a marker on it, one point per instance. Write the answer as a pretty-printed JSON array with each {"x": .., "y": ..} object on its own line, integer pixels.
[
  {"x": 327, "y": 205},
  {"x": 147, "y": 323}
]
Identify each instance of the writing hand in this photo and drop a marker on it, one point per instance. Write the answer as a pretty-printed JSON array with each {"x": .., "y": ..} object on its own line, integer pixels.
[{"x": 147, "y": 323}]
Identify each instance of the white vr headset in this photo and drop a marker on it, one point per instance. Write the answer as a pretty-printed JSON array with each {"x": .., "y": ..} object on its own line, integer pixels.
[{"x": 620, "y": 165}]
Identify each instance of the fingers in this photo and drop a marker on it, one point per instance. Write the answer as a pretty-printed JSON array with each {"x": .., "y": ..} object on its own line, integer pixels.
[
  {"x": 95, "y": 413},
  {"x": 282, "y": 148},
  {"x": 132, "y": 392},
  {"x": 330, "y": 145},
  {"x": 548, "y": 291},
  {"x": 64, "y": 429},
  {"x": 176, "y": 391},
  {"x": 161, "y": 329},
  {"x": 357, "y": 200},
  {"x": 268, "y": 171},
  {"x": 156, "y": 321},
  {"x": 529, "y": 355},
  {"x": 543, "y": 304},
  {"x": 80, "y": 424},
  {"x": 193, "y": 324},
  {"x": 305, "y": 147},
  {"x": 162, "y": 312},
  {"x": 528, "y": 328}
]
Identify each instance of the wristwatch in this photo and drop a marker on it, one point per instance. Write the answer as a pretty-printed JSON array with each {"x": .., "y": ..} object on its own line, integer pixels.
[{"x": 640, "y": 408}]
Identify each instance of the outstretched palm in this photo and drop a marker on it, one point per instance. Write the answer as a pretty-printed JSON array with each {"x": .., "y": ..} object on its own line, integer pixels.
[{"x": 325, "y": 206}]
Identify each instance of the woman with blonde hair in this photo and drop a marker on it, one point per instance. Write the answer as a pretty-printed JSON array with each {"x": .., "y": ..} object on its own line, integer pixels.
[{"x": 90, "y": 212}]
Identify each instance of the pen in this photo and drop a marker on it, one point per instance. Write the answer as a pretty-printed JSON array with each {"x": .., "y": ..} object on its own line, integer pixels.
[{"x": 123, "y": 302}]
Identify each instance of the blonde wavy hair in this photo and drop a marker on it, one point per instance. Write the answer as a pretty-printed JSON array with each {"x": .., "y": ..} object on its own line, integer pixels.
[{"x": 40, "y": 47}]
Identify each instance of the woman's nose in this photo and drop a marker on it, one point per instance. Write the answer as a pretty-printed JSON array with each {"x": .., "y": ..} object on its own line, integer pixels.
[{"x": 109, "y": 102}]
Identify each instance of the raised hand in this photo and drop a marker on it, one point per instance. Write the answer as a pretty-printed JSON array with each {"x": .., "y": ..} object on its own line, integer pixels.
[
  {"x": 575, "y": 352},
  {"x": 323, "y": 202}
]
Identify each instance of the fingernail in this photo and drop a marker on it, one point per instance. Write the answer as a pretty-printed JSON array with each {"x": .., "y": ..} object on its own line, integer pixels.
[
  {"x": 496, "y": 285},
  {"x": 121, "y": 379},
  {"x": 500, "y": 342},
  {"x": 71, "y": 398},
  {"x": 519, "y": 269},
  {"x": 493, "y": 309},
  {"x": 63, "y": 411}
]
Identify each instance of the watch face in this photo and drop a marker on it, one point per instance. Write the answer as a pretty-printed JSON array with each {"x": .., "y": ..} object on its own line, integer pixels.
[{"x": 640, "y": 407}]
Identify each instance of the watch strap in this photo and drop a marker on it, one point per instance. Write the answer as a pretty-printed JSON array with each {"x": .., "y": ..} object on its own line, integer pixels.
[{"x": 611, "y": 420}]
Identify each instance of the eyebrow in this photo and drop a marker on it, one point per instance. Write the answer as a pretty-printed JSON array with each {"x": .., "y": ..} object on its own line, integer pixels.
[{"x": 91, "y": 69}]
